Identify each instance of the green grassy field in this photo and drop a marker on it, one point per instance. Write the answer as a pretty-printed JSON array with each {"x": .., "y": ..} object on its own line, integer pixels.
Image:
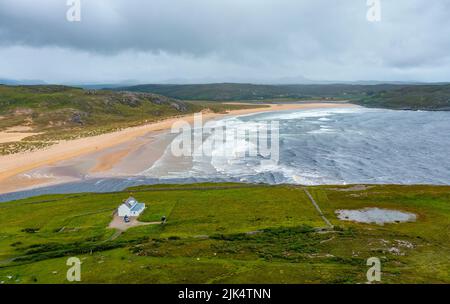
[{"x": 227, "y": 233}]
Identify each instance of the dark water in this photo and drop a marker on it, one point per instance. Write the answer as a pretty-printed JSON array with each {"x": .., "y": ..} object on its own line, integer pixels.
[{"x": 327, "y": 146}]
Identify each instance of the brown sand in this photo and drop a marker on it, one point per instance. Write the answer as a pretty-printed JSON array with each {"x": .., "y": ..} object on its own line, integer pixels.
[
  {"x": 106, "y": 162},
  {"x": 15, "y": 134},
  {"x": 12, "y": 165},
  {"x": 14, "y": 183}
]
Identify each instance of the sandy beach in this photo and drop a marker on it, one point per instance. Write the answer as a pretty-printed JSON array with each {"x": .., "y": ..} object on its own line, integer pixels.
[{"x": 101, "y": 155}]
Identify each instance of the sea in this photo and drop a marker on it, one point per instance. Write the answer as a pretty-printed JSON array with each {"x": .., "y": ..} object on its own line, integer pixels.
[{"x": 335, "y": 146}]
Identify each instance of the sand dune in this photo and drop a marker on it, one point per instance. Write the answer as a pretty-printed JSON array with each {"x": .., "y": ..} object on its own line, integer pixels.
[{"x": 15, "y": 134}]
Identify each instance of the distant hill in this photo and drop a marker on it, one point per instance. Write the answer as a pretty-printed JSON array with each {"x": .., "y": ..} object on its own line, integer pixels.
[
  {"x": 419, "y": 97},
  {"x": 239, "y": 91},
  {"x": 14, "y": 82},
  {"x": 394, "y": 96}
]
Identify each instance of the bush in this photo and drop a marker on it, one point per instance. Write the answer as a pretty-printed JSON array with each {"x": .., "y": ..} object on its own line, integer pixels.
[{"x": 30, "y": 230}]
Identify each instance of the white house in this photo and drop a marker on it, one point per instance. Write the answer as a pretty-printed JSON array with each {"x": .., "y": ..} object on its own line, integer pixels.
[{"x": 131, "y": 207}]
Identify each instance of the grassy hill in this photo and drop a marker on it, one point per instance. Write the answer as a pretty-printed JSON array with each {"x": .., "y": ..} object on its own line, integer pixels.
[
  {"x": 393, "y": 96},
  {"x": 227, "y": 233},
  {"x": 60, "y": 112},
  {"x": 238, "y": 91},
  {"x": 423, "y": 97},
  {"x": 60, "y": 108}
]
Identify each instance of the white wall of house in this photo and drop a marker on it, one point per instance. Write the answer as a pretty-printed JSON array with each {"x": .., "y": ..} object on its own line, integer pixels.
[{"x": 124, "y": 210}]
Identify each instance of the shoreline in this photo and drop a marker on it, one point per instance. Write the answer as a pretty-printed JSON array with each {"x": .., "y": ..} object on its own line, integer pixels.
[{"x": 100, "y": 150}]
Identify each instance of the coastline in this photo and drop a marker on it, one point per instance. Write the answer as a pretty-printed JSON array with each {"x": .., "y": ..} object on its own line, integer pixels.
[{"x": 99, "y": 154}]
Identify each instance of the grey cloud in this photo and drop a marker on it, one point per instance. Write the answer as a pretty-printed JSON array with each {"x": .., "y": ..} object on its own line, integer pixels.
[{"x": 314, "y": 37}]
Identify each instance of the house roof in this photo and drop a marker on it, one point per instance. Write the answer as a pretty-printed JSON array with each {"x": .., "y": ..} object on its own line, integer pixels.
[
  {"x": 138, "y": 207},
  {"x": 133, "y": 204}
]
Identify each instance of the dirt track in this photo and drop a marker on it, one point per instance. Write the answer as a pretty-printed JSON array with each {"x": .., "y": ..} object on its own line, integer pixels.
[{"x": 119, "y": 224}]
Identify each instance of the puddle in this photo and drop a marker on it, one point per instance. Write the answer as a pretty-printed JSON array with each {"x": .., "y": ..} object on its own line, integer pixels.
[
  {"x": 355, "y": 188},
  {"x": 376, "y": 216}
]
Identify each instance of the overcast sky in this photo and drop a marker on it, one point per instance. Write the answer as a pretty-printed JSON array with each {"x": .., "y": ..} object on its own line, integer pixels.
[{"x": 224, "y": 40}]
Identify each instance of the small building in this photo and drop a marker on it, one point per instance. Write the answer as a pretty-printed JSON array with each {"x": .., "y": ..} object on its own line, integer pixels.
[{"x": 131, "y": 207}]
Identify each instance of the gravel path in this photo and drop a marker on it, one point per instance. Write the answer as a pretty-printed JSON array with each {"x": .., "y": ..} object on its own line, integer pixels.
[{"x": 318, "y": 208}]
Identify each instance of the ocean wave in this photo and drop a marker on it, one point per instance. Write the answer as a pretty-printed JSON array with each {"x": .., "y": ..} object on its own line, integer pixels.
[{"x": 355, "y": 145}]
